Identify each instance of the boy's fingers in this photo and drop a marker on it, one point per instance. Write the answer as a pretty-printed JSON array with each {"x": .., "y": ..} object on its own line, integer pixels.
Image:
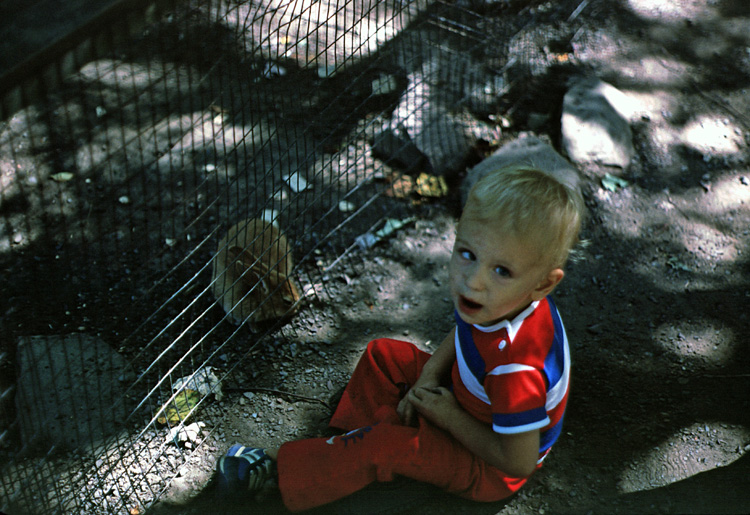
[
  {"x": 409, "y": 415},
  {"x": 405, "y": 411},
  {"x": 420, "y": 393},
  {"x": 401, "y": 409}
]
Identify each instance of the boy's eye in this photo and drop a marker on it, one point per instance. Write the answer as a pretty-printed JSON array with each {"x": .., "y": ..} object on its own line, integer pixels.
[
  {"x": 466, "y": 254},
  {"x": 502, "y": 271}
]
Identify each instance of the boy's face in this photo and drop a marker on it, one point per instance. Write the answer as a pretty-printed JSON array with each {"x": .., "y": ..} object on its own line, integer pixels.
[{"x": 495, "y": 275}]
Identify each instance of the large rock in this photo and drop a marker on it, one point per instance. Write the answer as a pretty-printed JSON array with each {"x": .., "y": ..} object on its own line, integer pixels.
[
  {"x": 434, "y": 140},
  {"x": 434, "y": 128},
  {"x": 595, "y": 128},
  {"x": 71, "y": 390},
  {"x": 445, "y": 139},
  {"x": 526, "y": 150},
  {"x": 396, "y": 148}
]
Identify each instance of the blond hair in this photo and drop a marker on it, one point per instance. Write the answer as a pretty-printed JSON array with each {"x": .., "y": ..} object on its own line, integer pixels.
[{"x": 530, "y": 204}]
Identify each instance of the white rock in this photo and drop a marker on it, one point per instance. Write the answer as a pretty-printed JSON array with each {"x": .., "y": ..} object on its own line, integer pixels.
[
  {"x": 593, "y": 129},
  {"x": 185, "y": 434},
  {"x": 203, "y": 381},
  {"x": 271, "y": 216},
  {"x": 384, "y": 84},
  {"x": 296, "y": 182}
]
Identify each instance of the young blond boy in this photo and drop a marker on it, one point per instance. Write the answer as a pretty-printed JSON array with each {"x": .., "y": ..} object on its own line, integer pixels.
[{"x": 478, "y": 416}]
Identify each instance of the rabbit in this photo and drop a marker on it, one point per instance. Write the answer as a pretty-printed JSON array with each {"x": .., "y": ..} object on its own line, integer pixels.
[{"x": 251, "y": 274}]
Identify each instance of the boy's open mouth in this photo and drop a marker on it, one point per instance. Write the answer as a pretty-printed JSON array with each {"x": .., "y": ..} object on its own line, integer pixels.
[{"x": 469, "y": 305}]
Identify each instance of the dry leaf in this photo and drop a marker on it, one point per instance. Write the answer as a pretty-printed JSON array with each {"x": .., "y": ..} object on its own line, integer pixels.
[
  {"x": 431, "y": 185},
  {"x": 402, "y": 187}
]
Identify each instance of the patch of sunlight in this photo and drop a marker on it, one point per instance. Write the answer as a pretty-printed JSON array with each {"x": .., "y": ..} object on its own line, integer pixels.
[
  {"x": 710, "y": 238},
  {"x": 115, "y": 73},
  {"x": 697, "y": 448},
  {"x": 439, "y": 249},
  {"x": 709, "y": 243},
  {"x": 727, "y": 194},
  {"x": 713, "y": 135},
  {"x": 663, "y": 135},
  {"x": 662, "y": 71},
  {"x": 623, "y": 103},
  {"x": 668, "y": 9},
  {"x": 698, "y": 338},
  {"x": 650, "y": 103}
]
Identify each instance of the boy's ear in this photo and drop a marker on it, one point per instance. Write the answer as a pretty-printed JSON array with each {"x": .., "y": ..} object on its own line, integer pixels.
[{"x": 548, "y": 284}]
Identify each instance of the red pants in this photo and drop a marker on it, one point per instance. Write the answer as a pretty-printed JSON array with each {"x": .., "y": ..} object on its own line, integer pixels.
[{"x": 378, "y": 447}]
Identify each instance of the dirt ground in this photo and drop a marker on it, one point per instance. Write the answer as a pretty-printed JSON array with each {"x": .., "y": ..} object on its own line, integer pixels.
[
  {"x": 658, "y": 420},
  {"x": 655, "y": 309},
  {"x": 655, "y": 306}
]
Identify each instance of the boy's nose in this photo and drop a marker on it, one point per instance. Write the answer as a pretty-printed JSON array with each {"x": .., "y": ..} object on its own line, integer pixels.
[{"x": 473, "y": 278}]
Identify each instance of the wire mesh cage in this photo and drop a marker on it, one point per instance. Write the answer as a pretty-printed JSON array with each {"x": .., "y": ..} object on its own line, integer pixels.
[{"x": 166, "y": 160}]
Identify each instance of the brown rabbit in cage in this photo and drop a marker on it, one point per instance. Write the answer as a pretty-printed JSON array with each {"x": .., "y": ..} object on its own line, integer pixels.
[{"x": 251, "y": 273}]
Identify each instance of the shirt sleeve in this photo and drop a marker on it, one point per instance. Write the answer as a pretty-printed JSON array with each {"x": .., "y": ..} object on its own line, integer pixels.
[{"x": 518, "y": 395}]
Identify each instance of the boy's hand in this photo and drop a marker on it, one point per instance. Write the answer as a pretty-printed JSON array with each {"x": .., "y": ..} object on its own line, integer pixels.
[
  {"x": 435, "y": 372},
  {"x": 437, "y": 404},
  {"x": 406, "y": 412}
]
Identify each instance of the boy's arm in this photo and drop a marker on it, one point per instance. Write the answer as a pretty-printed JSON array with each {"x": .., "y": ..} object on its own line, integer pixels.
[
  {"x": 514, "y": 454},
  {"x": 435, "y": 372}
]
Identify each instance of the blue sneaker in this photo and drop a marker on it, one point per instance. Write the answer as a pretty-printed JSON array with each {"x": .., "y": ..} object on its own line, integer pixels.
[{"x": 244, "y": 469}]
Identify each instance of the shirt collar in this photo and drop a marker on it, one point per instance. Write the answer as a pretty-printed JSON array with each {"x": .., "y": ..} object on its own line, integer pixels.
[{"x": 512, "y": 326}]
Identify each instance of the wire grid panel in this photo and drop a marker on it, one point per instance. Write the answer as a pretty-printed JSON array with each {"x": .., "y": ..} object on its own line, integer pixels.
[{"x": 119, "y": 187}]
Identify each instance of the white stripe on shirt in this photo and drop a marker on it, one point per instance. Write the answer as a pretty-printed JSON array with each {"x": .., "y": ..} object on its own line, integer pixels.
[
  {"x": 470, "y": 381},
  {"x": 509, "y": 369},
  {"x": 557, "y": 393}
]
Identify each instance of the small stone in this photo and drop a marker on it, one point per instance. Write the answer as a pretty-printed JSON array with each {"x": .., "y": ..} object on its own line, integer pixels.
[
  {"x": 384, "y": 84},
  {"x": 296, "y": 182}
]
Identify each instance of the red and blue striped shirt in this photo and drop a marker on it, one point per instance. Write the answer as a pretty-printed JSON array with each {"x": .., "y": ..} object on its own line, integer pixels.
[{"x": 515, "y": 374}]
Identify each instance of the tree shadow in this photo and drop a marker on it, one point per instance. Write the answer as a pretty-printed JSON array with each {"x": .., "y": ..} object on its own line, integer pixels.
[{"x": 719, "y": 490}]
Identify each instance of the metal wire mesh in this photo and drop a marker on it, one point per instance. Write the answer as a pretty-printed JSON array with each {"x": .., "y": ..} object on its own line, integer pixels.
[{"x": 127, "y": 152}]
